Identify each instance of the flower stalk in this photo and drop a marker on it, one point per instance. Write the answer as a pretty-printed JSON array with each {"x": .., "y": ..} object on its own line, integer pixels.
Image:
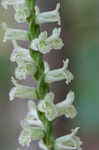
[{"x": 38, "y": 122}]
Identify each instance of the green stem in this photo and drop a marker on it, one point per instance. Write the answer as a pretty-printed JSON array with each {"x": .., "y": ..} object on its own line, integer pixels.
[{"x": 42, "y": 87}]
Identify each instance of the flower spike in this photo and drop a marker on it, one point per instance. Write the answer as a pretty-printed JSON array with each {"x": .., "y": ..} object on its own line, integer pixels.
[{"x": 37, "y": 124}]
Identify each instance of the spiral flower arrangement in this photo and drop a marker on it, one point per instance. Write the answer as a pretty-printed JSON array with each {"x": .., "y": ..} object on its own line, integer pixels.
[{"x": 37, "y": 124}]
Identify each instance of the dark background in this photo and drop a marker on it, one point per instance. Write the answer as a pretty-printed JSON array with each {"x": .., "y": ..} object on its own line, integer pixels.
[{"x": 80, "y": 32}]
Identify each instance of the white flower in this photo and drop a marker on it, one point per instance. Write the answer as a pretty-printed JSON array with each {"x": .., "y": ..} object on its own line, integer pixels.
[
  {"x": 14, "y": 34},
  {"x": 59, "y": 74},
  {"x": 45, "y": 44},
  {"x": 47, "y": 106},
  {"x": 25, "y": 69},
  {"x": 66, "y": 107},
  {"x": 25, "y": 137},
  {"x": 21, "y": 91},
  {"x": 21, "y": 54},
  {"x": 69, "y": 142},
  {"x": 53, "y": 111},
  {"x": 40, "y": 44},
  {"x": 32, "y": 117},
  {"x": 5, "y": 3},
  {"x": 54, "y": 40},
  {"x": 22, "y": 12},
  {"x": 26, "y": 65},
  {"x": 47, "y": 17},
  {"x": 29, "y": 133}
]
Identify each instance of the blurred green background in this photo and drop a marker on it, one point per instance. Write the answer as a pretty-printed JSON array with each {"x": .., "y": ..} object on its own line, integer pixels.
[{"x": 80, "y": 31}]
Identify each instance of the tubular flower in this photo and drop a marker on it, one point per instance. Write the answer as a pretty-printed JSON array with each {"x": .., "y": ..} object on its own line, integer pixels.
[
  {"x": 47, "y": 106},
  {"x": 66, "y": 107},
  {"x": 29, "y": 134},
  {"x": 25, "y": 69},
  {"x": 22, "y": 12},
  {"x": 53, "y": 111},
  {"x": 59, "y": 74},
  {"x": 69, "y": 142},
  {"x": 48, "y": 17},
  {"x": 20, "y": 55},
  {"x": 26, "y": 65},
  {"x": 45, "y": 44},
  {"x": 32, "y": 117},
  {"x": 14, "y": 34},
  {"x": 21, "y": 91},
  {"x": 5, "y": 3}
]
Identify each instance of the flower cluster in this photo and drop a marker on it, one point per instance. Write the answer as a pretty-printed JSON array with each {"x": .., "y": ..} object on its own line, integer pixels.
[{"x": 37, "y": 123}]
